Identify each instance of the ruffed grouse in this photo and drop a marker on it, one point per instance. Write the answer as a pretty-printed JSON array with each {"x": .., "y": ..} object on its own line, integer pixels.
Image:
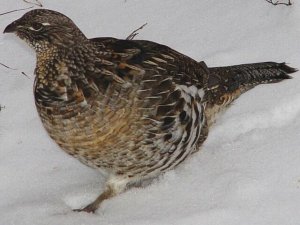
[{"x": 130, "y": 108}]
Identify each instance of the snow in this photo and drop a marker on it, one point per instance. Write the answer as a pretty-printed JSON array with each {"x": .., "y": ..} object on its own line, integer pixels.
[{"x": 248, "y": 171}]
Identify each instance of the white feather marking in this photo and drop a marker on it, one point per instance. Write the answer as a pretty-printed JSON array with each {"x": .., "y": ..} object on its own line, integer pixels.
[
  {"x": 159, "y": 60},
  {"x": 150, "y": 62},
  {"x": 144, "y": 81},
  {"x": 167, "y": 56},
  {"x": 168, "y": 78},
  {"x": 117, "y": 183}
]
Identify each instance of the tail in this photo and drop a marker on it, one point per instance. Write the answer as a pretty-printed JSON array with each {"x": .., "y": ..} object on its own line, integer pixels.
[{"x": 225, "y": 84}]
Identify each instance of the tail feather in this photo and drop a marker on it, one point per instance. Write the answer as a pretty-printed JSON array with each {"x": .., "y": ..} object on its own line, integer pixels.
[
  {"x": 229, "y": 79},
  {"x": 225, "y": 84},
  {"x": 233, "y": 77}
]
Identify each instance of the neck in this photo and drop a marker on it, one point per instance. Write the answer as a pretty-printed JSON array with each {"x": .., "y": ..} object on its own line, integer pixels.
[
  {"x": 44, "y": 61},
  {"x": 58, "y": 73}
]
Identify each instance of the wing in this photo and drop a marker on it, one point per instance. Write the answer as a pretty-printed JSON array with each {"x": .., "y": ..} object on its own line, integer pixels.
[{"x": 182, "y": 68}]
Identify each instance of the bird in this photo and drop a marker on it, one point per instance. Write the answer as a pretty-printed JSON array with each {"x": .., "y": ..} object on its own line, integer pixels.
[{"x": 132, "y": 109}]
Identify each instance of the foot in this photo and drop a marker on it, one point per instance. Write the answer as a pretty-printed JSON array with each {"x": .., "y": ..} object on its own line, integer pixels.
[
  {"x": 113, "y": 187},
  {"x": 91, "y": 208}
]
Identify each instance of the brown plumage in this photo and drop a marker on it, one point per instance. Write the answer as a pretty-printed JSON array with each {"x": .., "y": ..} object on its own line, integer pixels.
[{"x": 130, "y": 108}]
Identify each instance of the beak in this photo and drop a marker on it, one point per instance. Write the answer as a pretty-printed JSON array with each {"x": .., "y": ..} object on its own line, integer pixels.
[{"x": 11, "y": 28}]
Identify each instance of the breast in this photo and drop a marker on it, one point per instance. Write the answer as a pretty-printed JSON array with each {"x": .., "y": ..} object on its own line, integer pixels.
[{"x": 97, "y": 127}]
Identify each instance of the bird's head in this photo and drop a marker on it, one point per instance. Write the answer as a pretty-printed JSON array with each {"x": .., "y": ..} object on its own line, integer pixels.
[{"x": 42, "y": 28}]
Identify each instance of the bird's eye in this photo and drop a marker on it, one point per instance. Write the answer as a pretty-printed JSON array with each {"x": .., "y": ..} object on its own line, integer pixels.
[{"x": 36, "y": 27}]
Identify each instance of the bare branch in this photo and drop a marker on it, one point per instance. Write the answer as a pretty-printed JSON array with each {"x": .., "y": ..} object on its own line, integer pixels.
[
  {"x": 135, "y": 32},
  {"x": 2, "y": 107},
  {"x": 37, "y": 3},
  {"x": 7, "y": 66},
  {"x": 16, "y": 10},
  {"x": 23, "y": 73},
  {"x": 280, "y": 3}
]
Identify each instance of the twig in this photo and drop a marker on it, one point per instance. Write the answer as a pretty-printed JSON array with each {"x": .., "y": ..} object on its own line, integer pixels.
[
  {"x": 7, "y": 66},
  {"x": 2, "y": 107},
  {"x": 23, "y": 73},
  {"x": 135, "y": 32},
  {"x": 15, "y": 10},
  {"x": 280, "y": 3},
  {"x": 37, "y": 3}
]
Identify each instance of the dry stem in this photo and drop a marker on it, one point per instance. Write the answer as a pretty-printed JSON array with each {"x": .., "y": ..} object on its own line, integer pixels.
[
  {"x": 15, "y": 10},
  {"x": 280, "y": 3},
  {"x": 37, "y": 3},
  {"x": 135, "y": 32}
]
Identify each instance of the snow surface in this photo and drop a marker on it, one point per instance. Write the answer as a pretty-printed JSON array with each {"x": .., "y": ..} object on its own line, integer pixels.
[{"x": 248, "y": 171}]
